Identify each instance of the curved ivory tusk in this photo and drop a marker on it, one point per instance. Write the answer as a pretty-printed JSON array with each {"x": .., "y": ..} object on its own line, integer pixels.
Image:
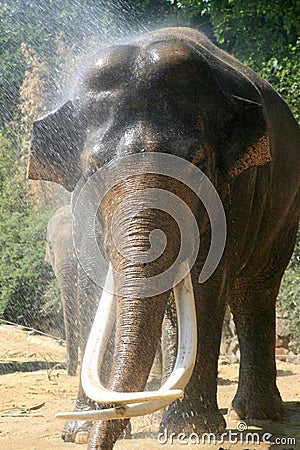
[
  {"x": 94, "y": 353},
  {"x": 99, "y": 335},
  {"x": 185, "y": 361},
  {"x": 119, "y": 412}
]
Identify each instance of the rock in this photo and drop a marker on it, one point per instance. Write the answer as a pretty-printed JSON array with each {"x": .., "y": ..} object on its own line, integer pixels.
[
  {"x": 235, "y": 358},
  {"x": 279, "y": 342},
  {"x": 224, "y": 360},
  {"x": 224, "y": 348},
  {"x": 292, "y": 358},
  {"x": 234, "y": 345},
  {"x": 286, "y": 340},
  {"x": 294, "y": 347},
  {"x": 282, "y": 327},
  {"x": 281, "y": 353},
  {"x": 82, "y": 437}
]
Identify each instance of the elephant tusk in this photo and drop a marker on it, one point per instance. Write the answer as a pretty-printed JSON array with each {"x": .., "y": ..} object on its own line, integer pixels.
[
  {"x": 94, "y": 353},
  {"x": 173, "y": 387},
  {"x": 119, "y": 412},
  {"x": 98, "y": 338}
]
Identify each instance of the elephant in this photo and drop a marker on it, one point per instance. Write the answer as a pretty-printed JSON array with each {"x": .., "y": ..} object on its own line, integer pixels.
[
  {"x": 80, "y": 296},
  {"x": 172, "y": 94},
  {"x": 61, "y": 256}
]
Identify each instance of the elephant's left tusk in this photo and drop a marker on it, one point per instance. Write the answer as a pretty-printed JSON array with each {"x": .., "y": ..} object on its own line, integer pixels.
[{"x": 173, "y": 387}]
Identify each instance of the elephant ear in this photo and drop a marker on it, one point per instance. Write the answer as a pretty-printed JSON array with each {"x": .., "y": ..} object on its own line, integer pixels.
[
  {"x": 247, "y": 141},
  {"x": 56, "y": 147}
]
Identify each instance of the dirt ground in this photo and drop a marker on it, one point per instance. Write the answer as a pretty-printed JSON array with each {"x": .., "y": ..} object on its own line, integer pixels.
[{"x": 32, "y": 391}]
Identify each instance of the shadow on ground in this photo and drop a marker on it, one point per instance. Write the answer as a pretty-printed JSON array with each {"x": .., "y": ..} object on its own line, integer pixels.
[{"x": 28, "y": 366}]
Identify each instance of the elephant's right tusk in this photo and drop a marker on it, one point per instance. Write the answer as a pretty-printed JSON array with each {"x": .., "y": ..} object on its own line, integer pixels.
[{"x": 172, "y": 388}]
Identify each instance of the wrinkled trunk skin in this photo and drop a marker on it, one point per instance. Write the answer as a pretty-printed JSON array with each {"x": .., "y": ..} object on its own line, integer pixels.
[
  {"x": 68, "y": 289},
  {"x": 136, "y": 341},
  {"x": 139, "y": 320}
]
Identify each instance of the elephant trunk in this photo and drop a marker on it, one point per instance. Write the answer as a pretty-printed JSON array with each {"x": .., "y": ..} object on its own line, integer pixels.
[
  {"x": 138, "y": 331},
  {"x": 67, "y": 280},
  {"x": 139, "y": 316}
]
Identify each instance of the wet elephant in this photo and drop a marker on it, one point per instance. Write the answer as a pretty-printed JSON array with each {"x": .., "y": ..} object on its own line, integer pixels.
[
  {"x": 80, "y": 297},
  {"x": 173, "y": 92}
]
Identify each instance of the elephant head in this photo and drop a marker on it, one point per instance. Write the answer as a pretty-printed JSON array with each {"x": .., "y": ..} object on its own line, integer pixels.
[{"x": 166, "y": 93}]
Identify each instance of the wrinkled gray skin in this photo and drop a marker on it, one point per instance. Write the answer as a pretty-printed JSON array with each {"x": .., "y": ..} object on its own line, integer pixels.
[
  {"x": 80, "y": 297},
  {"x": 173, "y": 91}
]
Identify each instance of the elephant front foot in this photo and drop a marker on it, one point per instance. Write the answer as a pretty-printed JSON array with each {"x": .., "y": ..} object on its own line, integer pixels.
[
  {"x": 263, "y": 405},
  {"x": 197, "y": 419},
  {"x": 76, "y": 431}
]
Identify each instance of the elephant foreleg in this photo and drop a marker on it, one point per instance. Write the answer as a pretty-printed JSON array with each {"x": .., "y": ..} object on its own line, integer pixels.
[
  {"x": 253, "y": 308},
  {"x": 198, "y": 411}
]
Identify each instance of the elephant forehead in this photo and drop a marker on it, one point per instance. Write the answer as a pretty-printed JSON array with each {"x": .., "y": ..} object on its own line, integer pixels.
[
  {"x": 169, "y": 54},
  {"x": 119, "y": 65},
  {"x": 169, "y": 61},
  {"x": 112, "y": 66}
]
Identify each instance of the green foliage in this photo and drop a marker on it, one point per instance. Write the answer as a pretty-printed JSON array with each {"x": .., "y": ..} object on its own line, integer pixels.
[
  {"x": 14, "y": 194},
  {"x": 51, "y": 319},
  {"x": 262, "y": 34},
  {"x": 283, "y": 73},
  {"x": 24, "y": 276},
  {"x": 289, "y": 296},
  {"x": 52, "y": 305},
  {"x": 250, "y": 28},
  {"x": 289, "y": 304}
]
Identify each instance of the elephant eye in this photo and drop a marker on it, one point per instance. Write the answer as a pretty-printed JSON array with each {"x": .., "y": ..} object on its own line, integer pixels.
[
  {"x": 92, "y": 167},
  {"x": 50, "y": 247}
]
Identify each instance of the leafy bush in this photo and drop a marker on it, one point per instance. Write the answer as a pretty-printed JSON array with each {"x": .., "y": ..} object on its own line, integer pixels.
[
  {"x": 289, "y": 296},
  {"x": 24, "y": 275},
  {"x": 284, "y": 74},
  {"x": 14, "y": 194},
  {"x": 260, "y": 33}
]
